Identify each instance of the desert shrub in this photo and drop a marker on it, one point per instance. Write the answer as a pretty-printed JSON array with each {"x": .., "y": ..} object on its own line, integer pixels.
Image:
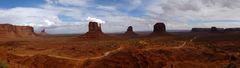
[{"x": 3, "y": 64}]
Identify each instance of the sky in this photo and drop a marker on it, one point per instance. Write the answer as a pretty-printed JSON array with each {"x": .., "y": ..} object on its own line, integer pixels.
[{"x": 70, "y": 16}]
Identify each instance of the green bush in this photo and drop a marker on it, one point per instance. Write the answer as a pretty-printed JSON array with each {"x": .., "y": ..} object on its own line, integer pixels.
[{"x": 3, "y": 64}]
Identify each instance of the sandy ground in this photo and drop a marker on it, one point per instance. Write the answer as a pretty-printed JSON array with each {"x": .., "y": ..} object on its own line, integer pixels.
[{"x": 178, "y": 51}]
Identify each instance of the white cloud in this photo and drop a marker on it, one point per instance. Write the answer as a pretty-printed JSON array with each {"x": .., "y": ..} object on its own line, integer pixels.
[
  {"x": 108, "y": 8},
  {"x": 69, "y": 2},
  {"x": 28, "y": 16},
  {"x": 187, "y": 11},
  {"x": 91, "y": 19},
  {"x": 177, "y": 14}
]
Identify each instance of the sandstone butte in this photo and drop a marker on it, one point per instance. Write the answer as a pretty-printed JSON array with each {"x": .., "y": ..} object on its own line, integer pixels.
[
  {"x": 159, "y": 29},
  {"x": 94, "y": 32},
  {"x": 130, "y": 32}
]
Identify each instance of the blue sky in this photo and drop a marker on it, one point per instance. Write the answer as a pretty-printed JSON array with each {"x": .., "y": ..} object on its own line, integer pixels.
[
  {"x": 20, "y": 3},
  {"x": 69, "y": 16}
]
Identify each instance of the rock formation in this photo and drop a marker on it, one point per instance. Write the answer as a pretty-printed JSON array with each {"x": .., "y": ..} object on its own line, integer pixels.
[
  {"x": 8, "y": 30},
  {"x": 43, "y": 32},
  {"x": 200, "y": 30},
  {"x": 234, "y": 30},
  {"x": 25, "y": 31},
  {"x": 212, "y": 29},
  {"x": 129, "y": 32},
  {"x": 94, "y": 27},
  {"x": 94, "y": 31},
  {"x": 159, "y": 29}
]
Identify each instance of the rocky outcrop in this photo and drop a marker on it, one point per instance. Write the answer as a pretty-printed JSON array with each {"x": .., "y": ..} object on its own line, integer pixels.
[
  {"x": 8, "y": 30},
  {"x": 94, "y": 31},
  {"x": 130, "y": 32}
]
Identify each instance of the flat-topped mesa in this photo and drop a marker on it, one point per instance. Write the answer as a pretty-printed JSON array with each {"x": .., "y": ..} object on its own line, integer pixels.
[
  {"x": 232, "y": 30},
  {"x": 130, "y": 32},
  {"x": 200, "y": 30},
  {"x": 8, "y": 30},
  {"x": 211, "y": 30}
]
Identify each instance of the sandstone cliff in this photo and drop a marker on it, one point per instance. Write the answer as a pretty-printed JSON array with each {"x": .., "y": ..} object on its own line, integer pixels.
[{"x": 8, "y": 30}]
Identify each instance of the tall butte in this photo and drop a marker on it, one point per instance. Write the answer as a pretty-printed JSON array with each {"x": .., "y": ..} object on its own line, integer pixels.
[
  {"x": 159, "y": 29},
  {"x": 94, "y": 31},
  {"x": 130, "y": 32}
]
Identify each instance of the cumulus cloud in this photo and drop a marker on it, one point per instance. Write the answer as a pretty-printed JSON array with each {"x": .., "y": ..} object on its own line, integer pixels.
[
  {"x": 191, "y": 11},
  {"x": 91, "y": 19},
  {"x": 32, "y": 17}
]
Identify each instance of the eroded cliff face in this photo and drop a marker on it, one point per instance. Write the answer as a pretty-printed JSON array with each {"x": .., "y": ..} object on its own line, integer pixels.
[
  {"x": 25, "y": 31},
  {"x": 9, "y": 31}
]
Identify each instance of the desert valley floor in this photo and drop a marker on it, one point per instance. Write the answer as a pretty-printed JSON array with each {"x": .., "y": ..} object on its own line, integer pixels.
[{"x": 178, "y": 50}]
